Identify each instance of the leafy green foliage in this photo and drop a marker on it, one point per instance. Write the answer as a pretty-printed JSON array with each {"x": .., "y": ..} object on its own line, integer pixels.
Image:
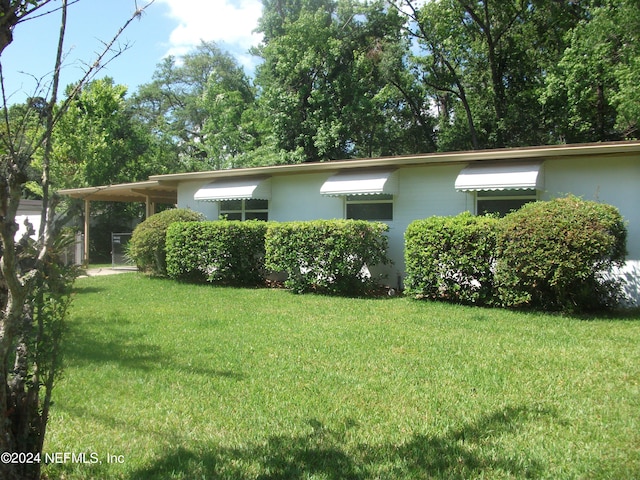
[
  {"x": 555, "y": 255},
  {"x": 451, "y": 258},
  {"x": 594, "y": 86},
  {"x": 328, "y": 256},
  {"x": 227, "y": 252},
  {"x": 199, "y": 105},
  {"x": 322, "y": 81},
  {"x": 147, "y": 245}
]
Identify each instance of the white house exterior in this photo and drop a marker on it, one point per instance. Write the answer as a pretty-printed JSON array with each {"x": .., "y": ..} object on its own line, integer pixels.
[{"x": 399, "y": 190}]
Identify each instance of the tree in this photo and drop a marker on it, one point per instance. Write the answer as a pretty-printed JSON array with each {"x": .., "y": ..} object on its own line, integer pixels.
[
  {"x": 483, "y": 65},
  {"x": 322, "y": 82},
  {"x": 98, "y": 141},
  {"x": 593, "y": 91},
  {"x": 184, "y": 100},
  {"x": 34, "y": 289}
]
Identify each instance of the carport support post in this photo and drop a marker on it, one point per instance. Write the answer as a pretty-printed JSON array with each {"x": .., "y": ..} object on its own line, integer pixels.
[
  {"x": 150, "y": 207},
  {"x": 87, "y": 212}
]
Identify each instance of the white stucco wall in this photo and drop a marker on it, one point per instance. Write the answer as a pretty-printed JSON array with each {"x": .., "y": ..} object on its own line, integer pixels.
[
  {"x": 297, "y": 197},
  {"x": 186, "y": 191}
]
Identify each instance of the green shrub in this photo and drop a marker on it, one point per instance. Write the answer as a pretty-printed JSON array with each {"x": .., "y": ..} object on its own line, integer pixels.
[
  {"x": 328, "y": 256},
  {"x": 226, "y": 252},
  {"x": 147, "y": 245},
  {"x": 451, "y": 258},
  {"x": 557, "y": 255}
]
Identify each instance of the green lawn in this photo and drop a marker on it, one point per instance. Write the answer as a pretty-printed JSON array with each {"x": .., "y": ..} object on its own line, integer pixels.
[{"x": 167, "y": 381}]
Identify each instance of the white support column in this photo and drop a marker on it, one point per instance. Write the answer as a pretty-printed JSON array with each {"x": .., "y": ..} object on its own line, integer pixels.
[{"x": 87, "y": 213}]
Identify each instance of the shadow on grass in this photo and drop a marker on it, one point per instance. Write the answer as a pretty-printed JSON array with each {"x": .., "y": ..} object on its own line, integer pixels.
[
  {"x": 471, "y": 451},
  {"x": 127, "y": 350}
]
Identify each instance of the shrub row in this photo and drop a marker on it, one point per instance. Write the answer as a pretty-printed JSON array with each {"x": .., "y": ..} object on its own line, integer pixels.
[
  {"x": 558, "y": 255},
  {"x": 452, "y": 258},
  {"x": 147, "y": 245},
  {"x": 328, "y": 256},
  {"x": 227, "y": 252},
  {"x": 554, "y": 255}
]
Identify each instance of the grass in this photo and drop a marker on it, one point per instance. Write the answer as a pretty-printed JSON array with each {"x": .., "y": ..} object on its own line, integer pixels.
[{"x": 173, "y": 381}]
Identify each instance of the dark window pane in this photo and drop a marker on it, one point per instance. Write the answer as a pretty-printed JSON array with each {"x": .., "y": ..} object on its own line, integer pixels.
[
  {"x": 257, "y": 216},
  {"x": 230, "y": 205},
  {"x": 256, "y": 204},
  {"x": 501, "y": 207},
  {"x": 370, "y": 211},
  {"x": 367, "y": 198}
]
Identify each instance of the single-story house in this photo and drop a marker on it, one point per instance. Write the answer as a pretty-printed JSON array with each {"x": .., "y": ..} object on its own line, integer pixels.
[{"x": 398, "y": 190}]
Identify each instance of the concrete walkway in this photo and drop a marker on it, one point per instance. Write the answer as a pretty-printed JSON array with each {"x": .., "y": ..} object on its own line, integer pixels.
[{"x": 96, "y": 272}]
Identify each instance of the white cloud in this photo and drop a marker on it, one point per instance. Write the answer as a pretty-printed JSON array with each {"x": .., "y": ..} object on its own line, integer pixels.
[{"x": 230, "y": 23}]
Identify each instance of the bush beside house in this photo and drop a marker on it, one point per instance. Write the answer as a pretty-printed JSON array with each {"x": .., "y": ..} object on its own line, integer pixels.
[
  {"x": 328, "y": 256},
  {"x": 557, "y": 255},
  {"x": 147, "y": 245},
  {"x": 554, "y": 255},
  {"x": 452, "y": 258},
  {"x": 226, "y": 252}
]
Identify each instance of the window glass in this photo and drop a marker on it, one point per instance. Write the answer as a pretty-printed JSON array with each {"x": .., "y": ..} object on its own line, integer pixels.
[
  {"x": 370, "y": 211},
  {"x": 249, "y": 209},
  {"x": 254, "y": 204},
  {"x": 231, "y": 205},
  {"x": 369, "y": 198},
  {"x": 369, "y": 207},
  {"x": 501, "y": 202}
]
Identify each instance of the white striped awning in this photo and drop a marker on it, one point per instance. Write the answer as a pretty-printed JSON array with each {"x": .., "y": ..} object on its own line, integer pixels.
[
  {"x": 500, "y": 176},
  {"x": 235, "y": 189},
  {"x": 361, "y": 183}
]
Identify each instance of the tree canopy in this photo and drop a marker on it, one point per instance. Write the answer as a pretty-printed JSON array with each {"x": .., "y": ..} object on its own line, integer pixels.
[{"x": 346, "y": 79}]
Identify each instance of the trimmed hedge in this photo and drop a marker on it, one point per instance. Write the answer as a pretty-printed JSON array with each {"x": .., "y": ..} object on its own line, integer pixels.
[
  {"x": 451, "y": 258},
  {"x": 327, "y": 256},
  {"x": 556, "y": 255},
  {"x": 226, "y": 252},
  {"x": 147, "y": 245}
]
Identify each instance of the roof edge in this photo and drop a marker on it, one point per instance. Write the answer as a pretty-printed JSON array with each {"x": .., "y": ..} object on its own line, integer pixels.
[{"x": 520, "y": 153}]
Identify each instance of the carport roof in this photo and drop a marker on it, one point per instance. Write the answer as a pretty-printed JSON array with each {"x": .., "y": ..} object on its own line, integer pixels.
[{"x": 150, "y": 190}]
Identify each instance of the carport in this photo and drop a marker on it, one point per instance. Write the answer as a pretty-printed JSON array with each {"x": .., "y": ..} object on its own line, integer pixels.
[{"x": 148, "y": 192}]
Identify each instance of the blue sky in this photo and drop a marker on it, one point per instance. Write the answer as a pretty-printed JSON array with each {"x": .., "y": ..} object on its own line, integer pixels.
[{"x": 168, "y": 27}]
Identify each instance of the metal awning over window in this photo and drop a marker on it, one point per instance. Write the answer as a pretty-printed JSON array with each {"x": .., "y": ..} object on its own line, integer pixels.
[
  {"x": 500, "y": 176},
  {"x": 235, "y": 189},
  {"x": 360, "y": 183}
]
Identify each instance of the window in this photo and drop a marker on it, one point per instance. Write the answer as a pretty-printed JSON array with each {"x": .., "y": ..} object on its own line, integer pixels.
[
  {"x": 369, "y": 207},
  {"x": 503, "y": 201},
  {"x": 249, "y": 209}
]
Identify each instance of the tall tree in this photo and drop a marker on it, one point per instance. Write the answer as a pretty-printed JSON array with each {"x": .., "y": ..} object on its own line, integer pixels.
[
  {"x": 34, "y": 290},
  {"x": 594, "y": 91},
  {"x": 184, "y": 98},
  {"x": 483, "y": 64},
  {"x": 98, "y": 140},
  {"x": 322, "y": 82}
]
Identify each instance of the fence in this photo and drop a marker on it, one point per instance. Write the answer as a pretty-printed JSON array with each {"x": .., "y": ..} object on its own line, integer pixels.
[{"x": 119, "y": 258}]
